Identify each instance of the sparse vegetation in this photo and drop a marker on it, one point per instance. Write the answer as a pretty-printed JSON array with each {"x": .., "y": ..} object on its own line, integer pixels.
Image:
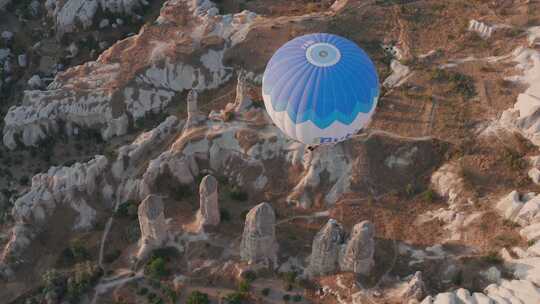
[
  {"x": 250, "y": 276},
  {"x": 235, "y": 298},
  {"x": 181, "y": 192},
  {"x": 112, "y": 256},
  {"x": 132, "y": 232},
  {"x": 513, "y": 160},
  {"x": 238, "y": 195},
  {"x": 225, "y": 215},
  {"x": 127, "y": 209},
  {"x": 156, "y": 267},
  {"x": 244, "y": 286},
  {"x": 265, "y": 292},
  {"x": 410, "y": 190},
  {"x": 492, "y": 257},
  {"x": 460, "y": 83},
  {"x": 228, "y": 116},
  {"x": 72, "y": 284},
  {"x": 457, "y": 279},
  {"x": 76, "y": 252},
  {"x": 428, "y": 195}
]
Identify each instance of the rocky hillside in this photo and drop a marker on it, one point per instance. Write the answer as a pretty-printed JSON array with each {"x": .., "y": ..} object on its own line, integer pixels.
[{"x": 139, "y": 165}]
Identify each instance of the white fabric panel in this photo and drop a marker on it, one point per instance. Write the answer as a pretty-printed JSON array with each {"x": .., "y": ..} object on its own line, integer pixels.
[{"x": 308, "y": 133}]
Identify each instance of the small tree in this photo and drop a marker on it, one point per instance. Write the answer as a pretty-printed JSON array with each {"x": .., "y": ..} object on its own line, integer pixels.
[
  {"x": 244, "y": 286},
  {"x": 198, "y": 297},
  {"x": 156, "y": 267}
]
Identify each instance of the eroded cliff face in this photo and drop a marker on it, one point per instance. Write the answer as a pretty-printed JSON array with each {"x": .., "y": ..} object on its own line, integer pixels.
[
  {"x": 71, "y": 15},
  {"x": 114, "y": 91}
]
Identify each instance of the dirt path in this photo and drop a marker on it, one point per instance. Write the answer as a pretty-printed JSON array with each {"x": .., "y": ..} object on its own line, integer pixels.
[
  {"x": 108, "y": 283},
  {"x": 310, "y": 216}
]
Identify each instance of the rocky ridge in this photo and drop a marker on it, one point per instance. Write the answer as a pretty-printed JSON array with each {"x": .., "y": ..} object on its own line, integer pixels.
[{"x": 103, "y": 95}]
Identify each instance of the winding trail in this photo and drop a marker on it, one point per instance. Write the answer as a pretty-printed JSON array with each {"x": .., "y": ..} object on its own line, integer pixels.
[
  {"x": 106, "y": 233},
  {"x": 315, "y": 215},
  {"x": 108, "y": 283}
]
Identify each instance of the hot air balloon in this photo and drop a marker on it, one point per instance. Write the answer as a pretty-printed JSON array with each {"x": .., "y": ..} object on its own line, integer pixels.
[{"x": 320, "y": 89}]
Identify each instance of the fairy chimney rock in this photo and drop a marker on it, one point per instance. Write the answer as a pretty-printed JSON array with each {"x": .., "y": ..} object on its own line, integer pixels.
[
  {"x": 358, "y": 253},
  {"x": 194, "y": 117},
  {"x": 208, "y": 196},
  {"x": 415, "y": 288},
  {"x": 258, "y": 245},
  {"x": 325, "y": 250},
  {"x": 152, "y": 224}
]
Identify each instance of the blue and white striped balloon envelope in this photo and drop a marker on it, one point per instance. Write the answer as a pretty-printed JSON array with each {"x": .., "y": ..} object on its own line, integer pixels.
[{"x": 320, "y": 88}]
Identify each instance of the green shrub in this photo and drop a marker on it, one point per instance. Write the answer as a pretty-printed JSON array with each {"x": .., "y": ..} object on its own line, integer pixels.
[
  {"x": 76, "y": 252},
  {"x": 513, "y": 160},
  {"x": 410, "y": 190},
  {"x": 493, "y": 257},
  {"x": 197, "y": 297},
  {"x": 289, "y": 277},
  {"x": 156, "y": 267},
  {"x": 170, "y": 293},
  {"x": 429, "y": 195},
  {"x": 286, "y": 298},
  {"x": 235, "y": 298},
  {"x": 132, "y": 232},
  {"x": 238, "y": 195},
  {"x": 51, "y": 279},
  {"x": 84, "y": 276},
  {"x": 244, "y": 286},
  {"x": 127, "y": 209},
  {"x": 250, "y": 276},
  {"x": 224, "y": 215},
  {"x": 151, "y": 296}
]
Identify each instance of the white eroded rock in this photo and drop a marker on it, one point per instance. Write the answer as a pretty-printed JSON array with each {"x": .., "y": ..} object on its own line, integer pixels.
[
  {"x": 107, "y": 94},
  {"x": 73, "y": 187},
  {"x": 483, "y": 30},
  {"x": 415, "y": 288},
  {"x": 208, "y": 196},
  {"x": 153, "y": 225},
  {"x": 523, "y": 117},
  {"x": 508, "y": 291},
  {"x": 327, "y": 244},
  {"x": 358, "y": 253},
  {"x": 259, "y": 237},
  {"x": 399, "y": 74},
  {"x": 534, "y": 36},
  {"x": 68, "y": 14}
]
